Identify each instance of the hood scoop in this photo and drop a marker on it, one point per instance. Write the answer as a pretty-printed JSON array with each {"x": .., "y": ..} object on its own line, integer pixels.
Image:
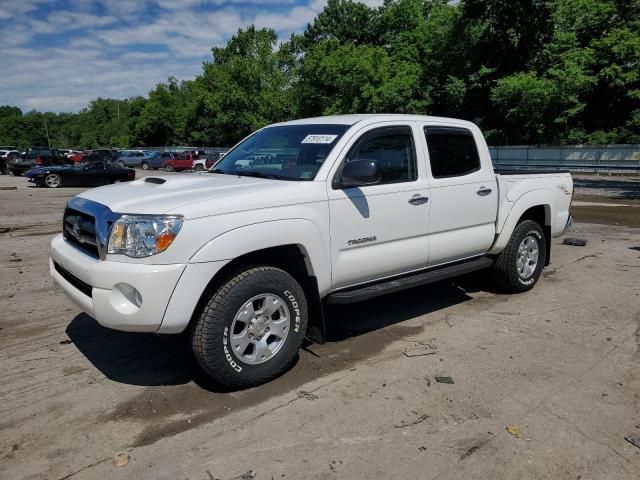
[{"x": 155, "y": 180}]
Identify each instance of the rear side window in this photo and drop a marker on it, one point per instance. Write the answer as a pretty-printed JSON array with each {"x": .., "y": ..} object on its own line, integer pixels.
[
  {"x": 393, "y": 148},
  {"x": 452, "y": 151}
]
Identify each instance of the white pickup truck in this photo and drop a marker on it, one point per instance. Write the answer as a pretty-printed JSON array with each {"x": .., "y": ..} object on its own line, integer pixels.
[{"x": 333, "y": 209}]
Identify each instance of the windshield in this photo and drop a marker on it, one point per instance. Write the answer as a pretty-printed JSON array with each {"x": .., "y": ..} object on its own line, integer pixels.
[{"x": 288, "y": 152}]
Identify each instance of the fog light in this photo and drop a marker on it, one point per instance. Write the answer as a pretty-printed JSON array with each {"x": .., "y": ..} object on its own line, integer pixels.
[{"x": 125, "y": 299}]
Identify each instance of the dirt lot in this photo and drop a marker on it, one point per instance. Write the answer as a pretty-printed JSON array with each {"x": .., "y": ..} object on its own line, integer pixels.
[{"x": 559, "y": 363}]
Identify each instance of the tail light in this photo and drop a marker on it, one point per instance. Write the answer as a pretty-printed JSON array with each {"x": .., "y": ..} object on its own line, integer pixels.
[{"x": 39, "y": 160}]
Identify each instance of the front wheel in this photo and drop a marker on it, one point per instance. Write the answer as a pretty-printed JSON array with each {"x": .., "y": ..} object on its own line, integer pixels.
[
  {"x": 145, "y": 166},
  {"x": 169, "y": 168},
  {"x": 53, "y": 180},
  {"x": 251, "y": 327},
  {"x": 519, "y": 265},
  {"x": 198, "y": 168}
]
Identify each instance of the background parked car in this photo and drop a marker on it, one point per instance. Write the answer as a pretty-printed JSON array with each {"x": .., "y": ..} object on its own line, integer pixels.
[
  {"x": 207, "y": 162},
  {"x": 36, "y": 157},
  {"x": 89, "y": 174},
  {"x": 100, "y": 154},
  {"x": 6, "y": 156},
  {"x": 140, "y": 158},
  {"x": 72, "y": 153},
  {"x": 76, "y": 156},
  {"x": 182, "y": 161}
]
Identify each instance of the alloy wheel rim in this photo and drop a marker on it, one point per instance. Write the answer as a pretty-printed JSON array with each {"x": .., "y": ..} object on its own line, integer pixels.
[
  {"x": 527, "y": 257},
  {"x": 260, "y": 328},
  {"x": 53, "y": 180}
]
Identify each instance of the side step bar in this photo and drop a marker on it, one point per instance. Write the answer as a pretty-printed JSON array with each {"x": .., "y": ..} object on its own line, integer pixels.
[{"x": 359, "y": 294}]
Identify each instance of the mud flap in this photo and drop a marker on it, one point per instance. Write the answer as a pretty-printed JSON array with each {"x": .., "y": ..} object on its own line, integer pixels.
[{"x": 316, "y": 330}]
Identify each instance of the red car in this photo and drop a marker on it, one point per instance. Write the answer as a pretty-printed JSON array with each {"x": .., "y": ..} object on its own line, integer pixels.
[
  {"x": 76, "y": 157},
  {"x": 182, "y": 161}
]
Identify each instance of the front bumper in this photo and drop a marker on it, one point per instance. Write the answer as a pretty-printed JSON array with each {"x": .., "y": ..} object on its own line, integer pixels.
[{"x": 123, "y": 296}]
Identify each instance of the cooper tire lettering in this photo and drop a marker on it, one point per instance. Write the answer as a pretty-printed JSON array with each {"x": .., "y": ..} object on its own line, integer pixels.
[{"x": 227, "y": 354}]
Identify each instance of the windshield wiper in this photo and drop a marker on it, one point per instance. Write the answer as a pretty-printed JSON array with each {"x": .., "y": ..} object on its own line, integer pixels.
[{"x": 261, "y": 175}]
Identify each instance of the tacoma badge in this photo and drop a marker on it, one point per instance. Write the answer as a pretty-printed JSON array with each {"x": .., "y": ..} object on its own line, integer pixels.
[{"x": 359, "y": 241}]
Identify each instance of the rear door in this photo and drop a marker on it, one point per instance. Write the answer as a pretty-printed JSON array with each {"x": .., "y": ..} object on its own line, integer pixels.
[
  {"x": 464, "y": 194},
  {"x": 380, "y": 230}
]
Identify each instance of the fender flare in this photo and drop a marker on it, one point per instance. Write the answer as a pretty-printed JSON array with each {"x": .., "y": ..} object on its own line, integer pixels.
[
  {"x": 530, "y": 199},
  {"x": 272, "y": 233}
]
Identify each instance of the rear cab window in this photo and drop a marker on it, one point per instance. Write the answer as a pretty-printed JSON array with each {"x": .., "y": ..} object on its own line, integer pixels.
[{"x": 452, "y": 151}]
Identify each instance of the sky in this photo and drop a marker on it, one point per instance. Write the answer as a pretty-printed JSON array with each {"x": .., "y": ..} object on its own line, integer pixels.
[{"x": 58, "y": 55}]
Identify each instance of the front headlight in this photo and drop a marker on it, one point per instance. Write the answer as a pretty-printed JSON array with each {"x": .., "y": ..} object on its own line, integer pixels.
[{"x": 143, "y": 235}]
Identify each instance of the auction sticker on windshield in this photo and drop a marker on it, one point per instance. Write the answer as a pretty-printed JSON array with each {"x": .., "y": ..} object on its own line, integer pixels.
[{"x": 319, "y": 138}]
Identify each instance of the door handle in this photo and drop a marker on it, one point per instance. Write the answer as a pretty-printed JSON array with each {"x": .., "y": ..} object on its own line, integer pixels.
[
  {"x": 418, "y": 199},
  {"x": 483, "y": 192}
]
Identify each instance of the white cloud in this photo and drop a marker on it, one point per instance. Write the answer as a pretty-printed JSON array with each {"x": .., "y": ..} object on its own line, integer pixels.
[
  {"x": 114, "y": 48},
  {"x": 65, "y": 20},
  {"x": 15, "y": 8}
]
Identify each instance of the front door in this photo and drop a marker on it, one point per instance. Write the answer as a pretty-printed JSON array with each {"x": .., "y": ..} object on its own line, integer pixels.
[{"x": 380, "y": 230}]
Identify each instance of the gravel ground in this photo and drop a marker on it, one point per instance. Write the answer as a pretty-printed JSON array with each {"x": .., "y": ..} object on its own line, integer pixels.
[{"x": 558, "y": 365}]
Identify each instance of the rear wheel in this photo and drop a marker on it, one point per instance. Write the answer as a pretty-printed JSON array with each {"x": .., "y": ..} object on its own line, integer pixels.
[
  {"x": 198, "y": 167},
  {"x": 169, "y": 168},
  {"x": 251, "y": 327},
  {"x": 145, "y": 166},
  {"x": 53, "y": 180},
  {"x": 519, "y": 265}
]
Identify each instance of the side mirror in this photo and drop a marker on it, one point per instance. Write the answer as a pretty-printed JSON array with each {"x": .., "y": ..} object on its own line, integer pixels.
[{"x": 359, "y": 173}]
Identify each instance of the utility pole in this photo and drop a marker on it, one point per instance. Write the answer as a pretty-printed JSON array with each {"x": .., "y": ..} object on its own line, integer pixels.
[{"x": 47, "y": 131}]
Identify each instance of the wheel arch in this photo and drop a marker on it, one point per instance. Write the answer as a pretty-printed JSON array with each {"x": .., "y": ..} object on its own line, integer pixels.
[
  {"x": 296, "y": 245},
  {"x": 293, "y": 259},
  {"x": 533, "y": 206}
]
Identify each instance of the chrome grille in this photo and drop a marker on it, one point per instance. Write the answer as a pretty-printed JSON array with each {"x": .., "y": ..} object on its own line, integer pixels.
[
  {"x": 80, "y": 230},
  {"x": 86, "y": 226}
]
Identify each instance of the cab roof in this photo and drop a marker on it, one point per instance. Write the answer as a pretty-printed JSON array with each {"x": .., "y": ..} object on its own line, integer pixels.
[{"x": 352, "y": 119}]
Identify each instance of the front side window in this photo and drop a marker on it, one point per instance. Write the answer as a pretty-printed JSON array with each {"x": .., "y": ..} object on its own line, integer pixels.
[
  {"x": 393, "y": 148},
  {"x": 452, "y": 151},
  {"x": 286, "y": 152}
]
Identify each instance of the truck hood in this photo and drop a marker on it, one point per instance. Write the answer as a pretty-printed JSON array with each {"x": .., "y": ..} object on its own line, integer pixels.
[{"x": 199, "y": 195}]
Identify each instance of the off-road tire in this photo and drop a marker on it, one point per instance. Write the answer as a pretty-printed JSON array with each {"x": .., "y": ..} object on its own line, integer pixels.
[
  {"x": 210, "y": 340},
  {"x": 505, "y": 270}
]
